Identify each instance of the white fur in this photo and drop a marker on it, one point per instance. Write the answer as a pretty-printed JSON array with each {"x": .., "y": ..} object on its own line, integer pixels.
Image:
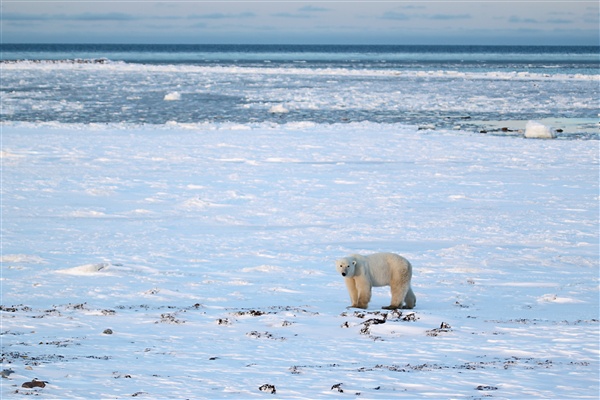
[{"x": 361, "y": 273}]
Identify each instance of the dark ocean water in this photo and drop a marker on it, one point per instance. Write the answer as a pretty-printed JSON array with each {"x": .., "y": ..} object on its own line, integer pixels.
[{"x": 357, "y": 56}]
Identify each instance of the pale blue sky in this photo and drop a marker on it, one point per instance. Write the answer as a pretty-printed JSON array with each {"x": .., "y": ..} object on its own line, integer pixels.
[{"x": 303, "y": 22}]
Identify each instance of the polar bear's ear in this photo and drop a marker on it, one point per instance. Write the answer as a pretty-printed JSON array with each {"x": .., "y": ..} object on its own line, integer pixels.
[{"x": 353, "y": 262}]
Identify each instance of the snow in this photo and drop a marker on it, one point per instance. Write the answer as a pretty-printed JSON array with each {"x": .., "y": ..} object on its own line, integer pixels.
[{"x": 198, "y": 262}]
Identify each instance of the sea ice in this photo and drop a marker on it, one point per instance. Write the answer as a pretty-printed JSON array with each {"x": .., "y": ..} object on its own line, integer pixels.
[
  {"x": 537, "y": 130},
  {"x": 278, "y": 109},
  {"x": 172, "y": 96}
]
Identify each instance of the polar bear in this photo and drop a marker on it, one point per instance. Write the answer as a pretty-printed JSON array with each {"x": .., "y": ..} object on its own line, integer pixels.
[{"x": 361, "y": 273}]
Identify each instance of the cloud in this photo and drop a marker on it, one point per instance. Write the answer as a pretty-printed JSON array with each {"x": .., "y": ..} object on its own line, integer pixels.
[
  {"x": 399, "y": 16},
  {"x": 312, "y": 9},
  {"x": 291, "y": 15},
  {"x": 518, "y": 20},
  {"x": 113, "y": 16},
  {"x": 562, "y": 14},
  {"x": 395, "y": 16},
  {"x": 445, "y": 17},
  {"x": 116, "y": 16},
  {"x": 222, "y": 16},
  {"x": 198, "y": 25},
  {"x": 413, "y": 7},
  {"x": 23, "y": 17},
  {"x": 560, "y": 21}
]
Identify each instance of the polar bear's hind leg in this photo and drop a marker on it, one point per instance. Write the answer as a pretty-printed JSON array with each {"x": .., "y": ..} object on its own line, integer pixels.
[
  {"x": 399, "y": 289},
  {"x": 410, "y": 300}
]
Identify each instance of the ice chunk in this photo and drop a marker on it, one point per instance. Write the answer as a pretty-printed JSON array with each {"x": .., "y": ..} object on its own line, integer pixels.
[
  {"x": 278, "y": 109},
  {"x": 536, "y": 130},
  {"x": 172, "y": 96}
]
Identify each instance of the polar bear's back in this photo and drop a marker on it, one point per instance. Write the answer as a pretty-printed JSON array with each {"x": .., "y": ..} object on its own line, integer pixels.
[{"x": 382, "y": 266}]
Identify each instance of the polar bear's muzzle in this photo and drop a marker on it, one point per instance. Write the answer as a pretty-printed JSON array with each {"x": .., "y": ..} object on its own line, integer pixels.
[{"x": 344, "y": 269}]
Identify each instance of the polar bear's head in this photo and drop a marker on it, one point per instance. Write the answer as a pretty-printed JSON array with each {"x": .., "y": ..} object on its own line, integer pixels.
[{"x": 346, "y": 266}]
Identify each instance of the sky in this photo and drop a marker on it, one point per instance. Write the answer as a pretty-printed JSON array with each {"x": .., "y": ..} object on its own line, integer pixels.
[{"x": 494, "y": 22}]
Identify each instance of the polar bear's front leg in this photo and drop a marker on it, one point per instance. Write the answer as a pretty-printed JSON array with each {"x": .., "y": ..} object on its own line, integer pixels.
[
  {"x": 352, "y": 291},
  {"x": 364, "y": 292}
]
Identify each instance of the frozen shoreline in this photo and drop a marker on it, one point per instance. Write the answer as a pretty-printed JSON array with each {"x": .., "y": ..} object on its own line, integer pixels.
[
  {"x": 568, "y": 128},
  {"x": 209, "y": 256}
]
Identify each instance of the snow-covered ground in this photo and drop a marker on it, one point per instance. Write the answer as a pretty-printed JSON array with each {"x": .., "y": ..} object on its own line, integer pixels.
[{"x": 197, "y": 262}]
